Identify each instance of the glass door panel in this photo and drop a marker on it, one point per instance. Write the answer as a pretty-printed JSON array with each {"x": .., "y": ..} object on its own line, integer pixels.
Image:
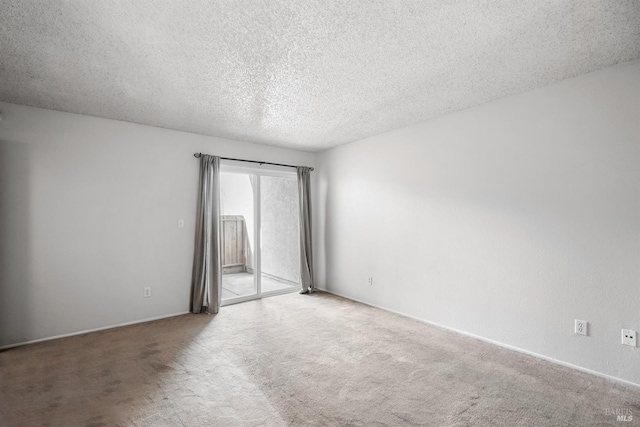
[
  {"x": 279, "y": 234},
  {"x": 237, "y": 228}
]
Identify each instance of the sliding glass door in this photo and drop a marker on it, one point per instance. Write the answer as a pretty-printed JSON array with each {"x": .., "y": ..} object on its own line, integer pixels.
[
  {"x": 237, "y": 230},
  {"x": 280, "y": 236},
  {"x": 260, "y": 234}
]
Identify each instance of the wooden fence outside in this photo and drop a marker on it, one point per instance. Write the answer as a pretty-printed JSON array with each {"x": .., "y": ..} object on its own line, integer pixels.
[{"x": 234, "y": 253}]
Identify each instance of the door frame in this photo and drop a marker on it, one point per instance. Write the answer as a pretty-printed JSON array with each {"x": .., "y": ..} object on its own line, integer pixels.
[{"x": 231, "y": 166}]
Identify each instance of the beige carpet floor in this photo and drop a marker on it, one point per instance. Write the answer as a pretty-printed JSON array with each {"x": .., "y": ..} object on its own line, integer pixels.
[{"x": 295, "y": 360}]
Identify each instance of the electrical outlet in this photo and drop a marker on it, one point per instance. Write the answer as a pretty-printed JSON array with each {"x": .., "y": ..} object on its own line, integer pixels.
[
  {"x": 370, "y": 281},
  {"x": 629, "y": 337},
  {"x": 581, "y": 327},
  {"x": 147, "y": 292}
]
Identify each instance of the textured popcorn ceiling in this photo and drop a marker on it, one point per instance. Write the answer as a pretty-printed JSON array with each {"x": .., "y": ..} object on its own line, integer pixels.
[{"x": 301, "y": 74}]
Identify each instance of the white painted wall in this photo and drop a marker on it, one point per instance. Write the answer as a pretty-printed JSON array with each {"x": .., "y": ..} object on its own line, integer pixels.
[
  {"x": 88, "y": 217},
  {"x": 507, "y": 221}
]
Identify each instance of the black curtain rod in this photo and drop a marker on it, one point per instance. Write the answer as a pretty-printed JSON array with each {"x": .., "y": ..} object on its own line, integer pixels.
[{"x": 198, "y": 155}]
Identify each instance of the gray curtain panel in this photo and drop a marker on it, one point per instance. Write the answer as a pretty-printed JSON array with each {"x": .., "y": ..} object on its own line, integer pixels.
[
  {"x": 206, "y": 278},
  {"x": 306, "y": 257}
]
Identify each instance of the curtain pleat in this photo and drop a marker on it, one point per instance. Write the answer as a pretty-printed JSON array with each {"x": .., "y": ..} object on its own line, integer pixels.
[
  {"x": 206, "y": 278},
  {"x": 306, "y": 256}
]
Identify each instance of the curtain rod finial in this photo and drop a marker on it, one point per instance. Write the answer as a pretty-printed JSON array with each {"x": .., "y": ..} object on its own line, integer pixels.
[{"x": 196, "y": 155}]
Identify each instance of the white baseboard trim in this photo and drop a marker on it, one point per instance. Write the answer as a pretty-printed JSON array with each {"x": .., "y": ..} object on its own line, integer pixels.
[
  {"x": 55, "y": 337},
  {"x": 498, "y": 343}
]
